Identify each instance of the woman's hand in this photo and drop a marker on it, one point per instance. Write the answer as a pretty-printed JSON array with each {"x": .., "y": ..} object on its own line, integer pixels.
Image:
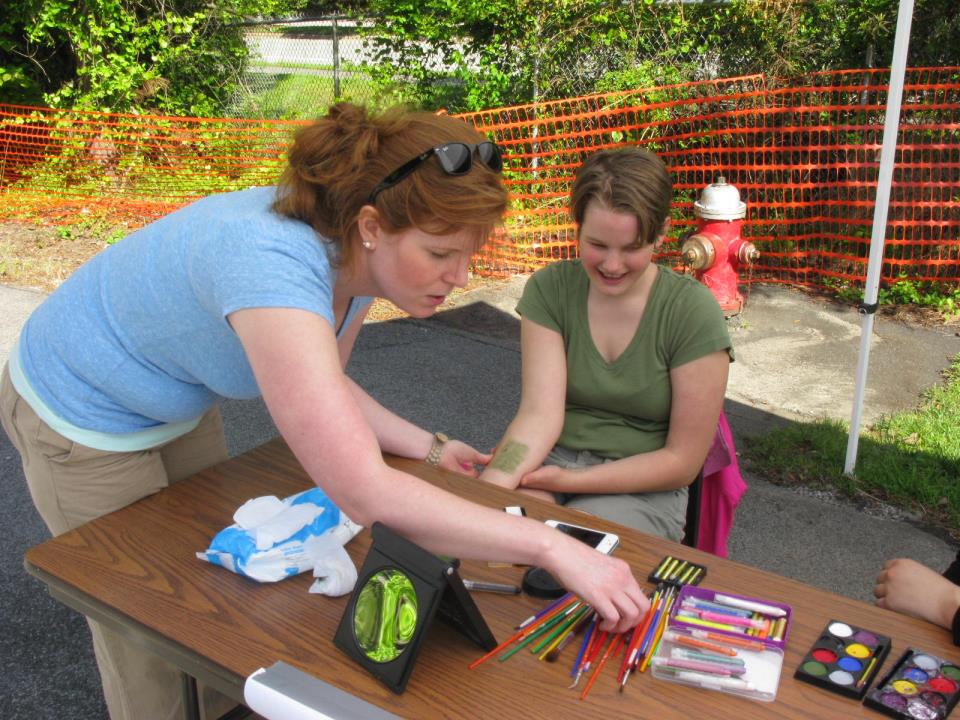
[
  {"x": 604, "y": 582},
  {"x": 461, "y": 458}
]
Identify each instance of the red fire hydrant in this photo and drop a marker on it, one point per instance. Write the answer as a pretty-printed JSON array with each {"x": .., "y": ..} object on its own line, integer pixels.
[{"x": 716, "y": 251}]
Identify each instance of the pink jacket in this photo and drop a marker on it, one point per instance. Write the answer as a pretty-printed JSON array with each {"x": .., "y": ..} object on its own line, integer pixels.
[{"x": 720, "y": 491}]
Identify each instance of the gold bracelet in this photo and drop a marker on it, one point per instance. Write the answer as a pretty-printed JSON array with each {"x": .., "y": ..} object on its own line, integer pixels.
[{"x": 436, "y": 449}]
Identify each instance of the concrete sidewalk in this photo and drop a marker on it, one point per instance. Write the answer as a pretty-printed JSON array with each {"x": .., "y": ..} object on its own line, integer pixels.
[{"x": 459, "y": 372}]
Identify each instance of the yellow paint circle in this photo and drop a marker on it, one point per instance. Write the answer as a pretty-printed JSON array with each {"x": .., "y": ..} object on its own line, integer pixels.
[
  {"x": 904, "y": 687},
  {"x": 858, "y": 651}
]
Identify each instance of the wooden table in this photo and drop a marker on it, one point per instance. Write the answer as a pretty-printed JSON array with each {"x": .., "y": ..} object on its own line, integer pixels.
[{"x": 136, "y": 570}]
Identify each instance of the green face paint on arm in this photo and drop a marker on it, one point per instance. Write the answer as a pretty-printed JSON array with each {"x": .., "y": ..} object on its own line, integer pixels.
[{"x": 509, "y": 457}]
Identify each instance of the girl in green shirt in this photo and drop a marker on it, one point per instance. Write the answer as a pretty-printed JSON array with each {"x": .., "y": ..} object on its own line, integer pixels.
[{"x": 624, "y": 362}]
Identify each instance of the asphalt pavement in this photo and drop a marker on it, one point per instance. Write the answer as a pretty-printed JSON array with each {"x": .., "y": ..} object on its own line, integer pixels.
[{"x": 459, "y": 372}]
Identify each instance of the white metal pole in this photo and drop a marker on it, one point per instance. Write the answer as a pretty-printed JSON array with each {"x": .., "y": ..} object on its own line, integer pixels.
[{"x": 891, "y": 127}]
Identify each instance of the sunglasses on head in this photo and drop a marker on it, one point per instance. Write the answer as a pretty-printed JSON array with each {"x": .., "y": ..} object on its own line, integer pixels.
[{"x": 455, "y": 158}]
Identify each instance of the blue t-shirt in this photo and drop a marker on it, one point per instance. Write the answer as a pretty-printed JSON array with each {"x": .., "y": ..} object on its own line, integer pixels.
[{"x": 138, "y": 336}]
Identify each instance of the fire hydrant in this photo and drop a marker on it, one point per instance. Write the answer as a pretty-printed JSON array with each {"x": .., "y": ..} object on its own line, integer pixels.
[{"x": 716, "y": 251}]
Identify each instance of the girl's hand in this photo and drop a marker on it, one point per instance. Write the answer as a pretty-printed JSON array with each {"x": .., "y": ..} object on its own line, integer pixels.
[
  {"x": 552, "y": 478},
  {"x": 461, "y": 458}
]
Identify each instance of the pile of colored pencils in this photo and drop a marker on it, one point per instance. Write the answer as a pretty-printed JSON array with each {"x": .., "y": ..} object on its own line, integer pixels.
[{"x": 549, "y": 631}]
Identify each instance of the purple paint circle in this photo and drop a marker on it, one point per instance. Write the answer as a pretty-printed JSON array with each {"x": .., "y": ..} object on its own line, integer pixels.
[
  {"x": 893, "y": 701},
  {"x": 866, "y": 637}
]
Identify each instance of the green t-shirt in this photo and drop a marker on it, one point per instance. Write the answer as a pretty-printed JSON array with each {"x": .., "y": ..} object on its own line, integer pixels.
[{"x": 622, "y": 408}]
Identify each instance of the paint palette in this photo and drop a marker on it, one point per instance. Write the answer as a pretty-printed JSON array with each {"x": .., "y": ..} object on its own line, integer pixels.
[
  {"x": 920, "y": 685},
  {"x": 844, "y": 660}
]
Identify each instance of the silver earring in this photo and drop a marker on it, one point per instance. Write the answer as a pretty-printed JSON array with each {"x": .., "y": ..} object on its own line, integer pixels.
[{"x": 367, "y": 244}]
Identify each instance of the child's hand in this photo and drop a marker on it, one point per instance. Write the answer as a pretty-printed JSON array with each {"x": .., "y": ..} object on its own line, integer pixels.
[
  {"x": 550, "y": 477},
  {"x": 908, "y": 587}
]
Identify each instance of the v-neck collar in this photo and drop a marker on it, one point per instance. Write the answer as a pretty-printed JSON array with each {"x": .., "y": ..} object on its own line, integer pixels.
[{"x": 585, "y": 321}]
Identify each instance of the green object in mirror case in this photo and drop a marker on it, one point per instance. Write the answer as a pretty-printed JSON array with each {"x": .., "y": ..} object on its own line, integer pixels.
[{"x": 400, "y": 589}]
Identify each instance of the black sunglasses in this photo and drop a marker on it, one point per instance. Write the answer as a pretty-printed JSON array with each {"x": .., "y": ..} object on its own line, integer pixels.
[{"x": 455, "y": 159}]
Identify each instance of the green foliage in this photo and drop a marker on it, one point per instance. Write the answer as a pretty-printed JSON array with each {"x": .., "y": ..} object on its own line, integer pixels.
[
  {"x": 909, "y": 459},
  {"x": 165, "y": 159},
  {"x": 943, "y": 297},
  {"x": 500, "y": 51},
  {"x": 176, "y": 57},
  {"x": 477, "y": 54}
]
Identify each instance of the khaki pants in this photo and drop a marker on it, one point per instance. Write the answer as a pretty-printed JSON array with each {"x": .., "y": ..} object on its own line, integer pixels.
[
  {"x": 72, "y": 484},
  {"x": 657, "y": 513}
]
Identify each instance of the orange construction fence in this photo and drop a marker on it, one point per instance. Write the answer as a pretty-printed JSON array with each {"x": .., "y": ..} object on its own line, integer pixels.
[{"x": 804, "y": 154}]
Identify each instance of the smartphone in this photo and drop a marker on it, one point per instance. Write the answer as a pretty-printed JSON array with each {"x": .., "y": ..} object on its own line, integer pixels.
[{"x": 601, "y": 541}]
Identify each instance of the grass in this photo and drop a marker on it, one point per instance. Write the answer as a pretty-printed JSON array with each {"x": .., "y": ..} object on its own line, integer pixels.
[
  {"x": 910, "y": 460},
  {"x": 305, "y": 97}
]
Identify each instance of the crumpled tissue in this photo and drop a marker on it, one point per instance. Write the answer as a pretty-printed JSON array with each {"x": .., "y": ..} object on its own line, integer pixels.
[{"x": 272, "y": 539}]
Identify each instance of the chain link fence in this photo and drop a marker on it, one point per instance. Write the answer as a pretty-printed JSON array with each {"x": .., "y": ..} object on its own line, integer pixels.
[{"x": 299, "y": 66}]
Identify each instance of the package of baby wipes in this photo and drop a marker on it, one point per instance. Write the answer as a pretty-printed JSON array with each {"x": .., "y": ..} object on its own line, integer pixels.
[{"x": 272, "y": 539}]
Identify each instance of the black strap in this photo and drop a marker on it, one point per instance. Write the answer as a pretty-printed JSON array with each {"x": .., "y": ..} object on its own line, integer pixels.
[{"x": 867, "y": 308}]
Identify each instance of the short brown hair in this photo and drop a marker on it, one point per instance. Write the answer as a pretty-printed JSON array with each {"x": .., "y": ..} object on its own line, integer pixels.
[
  {"x": 628, "y": 180},
  {"x": 336, "y": 162}
]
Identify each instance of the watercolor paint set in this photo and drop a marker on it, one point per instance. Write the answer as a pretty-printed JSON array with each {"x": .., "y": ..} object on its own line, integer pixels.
[
  {"x": 844, "y": 660},
  {"x": 720, "y": 641},
  {"x": 920, "y": 685}
]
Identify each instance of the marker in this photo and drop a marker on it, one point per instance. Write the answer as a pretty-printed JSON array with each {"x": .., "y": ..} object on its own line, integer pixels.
[
  {"x": 686, "y": 619},
  {"x": 743, "y": 643},
  {"x": 685, "y": 654},
  {"x": 698, "y": 665},
  {"x": 501, "y": 588},
  {"x": 713, "y": 681},
  {"x": 673, "y": 636},
  {"x": 732, "y": 619},
  {"x": 697, "y": 604},
  {"x": 749, "y": 605}
]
